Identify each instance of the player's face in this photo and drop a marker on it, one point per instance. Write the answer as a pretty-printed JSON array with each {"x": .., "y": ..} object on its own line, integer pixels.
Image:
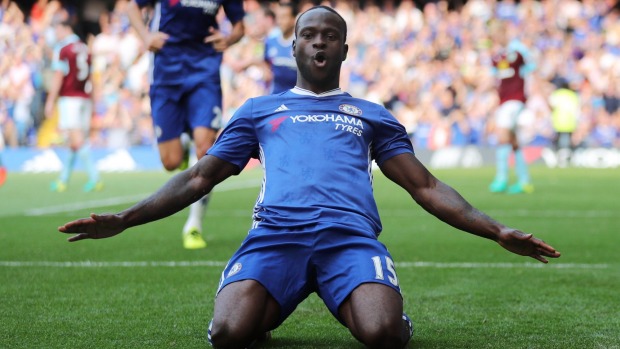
[
  {"x": 285, "y": 19},
  {"x": 319, "y": 50}
]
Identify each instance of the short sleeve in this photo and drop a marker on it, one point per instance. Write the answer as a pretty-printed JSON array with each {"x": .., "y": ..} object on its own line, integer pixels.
[
  {"x": 143, "y": 3},
  {"x": 234, "y": 10},
  {"x": 59, "y": 62},
  {"x": 237, "y": 143},
  {"x": 391, "y": 139}
]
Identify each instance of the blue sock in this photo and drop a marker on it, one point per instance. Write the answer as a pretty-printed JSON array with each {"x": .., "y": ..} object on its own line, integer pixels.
[
  {"x": 67, "y": 167},
  {"x": 521, "y": 167},
  {"x": 501, "y": 162},
  {"x": 89, "y": 164}
]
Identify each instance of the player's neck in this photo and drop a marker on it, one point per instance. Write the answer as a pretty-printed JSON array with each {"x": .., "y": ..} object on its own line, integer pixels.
[{"x": 317, "y": 89}]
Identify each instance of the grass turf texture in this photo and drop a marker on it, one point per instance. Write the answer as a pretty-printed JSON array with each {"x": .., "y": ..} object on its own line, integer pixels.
[{"x": 461, "y": 291}]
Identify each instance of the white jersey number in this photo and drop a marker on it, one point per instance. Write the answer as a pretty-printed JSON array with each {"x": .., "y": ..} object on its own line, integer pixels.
[
  {"x": 379, "y": 275},
  {"x": 81, "y": 62}
]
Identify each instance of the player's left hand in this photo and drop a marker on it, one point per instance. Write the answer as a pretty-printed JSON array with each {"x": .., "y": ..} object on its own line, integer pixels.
[
  {"x": 217, "y": 39},
  {"x": 95, "y": 227},
  {"x": 524, "y": 244}
]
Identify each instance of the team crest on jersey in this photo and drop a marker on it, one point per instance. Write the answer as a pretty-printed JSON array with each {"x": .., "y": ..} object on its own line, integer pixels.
[
  {"x": 235, "y": 269},
  {"x": 350, "y": 109}
]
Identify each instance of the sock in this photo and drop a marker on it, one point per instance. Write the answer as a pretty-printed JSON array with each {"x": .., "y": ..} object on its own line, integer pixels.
[
  {"x": 523, "y": 174},
  {"x": 89, "y": 164},
  {"x": 501, "y": 162},
  {"x": 67, "y": 167},
  {"x": 196, "y": 213}
]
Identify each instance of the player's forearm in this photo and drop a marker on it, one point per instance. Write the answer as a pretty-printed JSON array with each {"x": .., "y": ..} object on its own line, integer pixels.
[
  {"x": 238, "y": 30},
  {"x": 135, "y": 19},
  {"x": 179, "y": 192},
  {"x": 448, "y": 205},
  {"x": 54, "y": 89}
]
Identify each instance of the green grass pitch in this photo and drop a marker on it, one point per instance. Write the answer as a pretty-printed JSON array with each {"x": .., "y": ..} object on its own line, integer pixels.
[{"x": 143, "y": 290}]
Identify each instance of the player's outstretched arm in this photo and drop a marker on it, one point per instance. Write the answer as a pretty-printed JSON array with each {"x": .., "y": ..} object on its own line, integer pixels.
[
  {"x": 448, "y": 205},
  {"x": 179, "y": 192}
]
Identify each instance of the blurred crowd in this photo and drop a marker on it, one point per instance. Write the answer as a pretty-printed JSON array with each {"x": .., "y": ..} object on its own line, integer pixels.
[{"x": 430, "y": 65}]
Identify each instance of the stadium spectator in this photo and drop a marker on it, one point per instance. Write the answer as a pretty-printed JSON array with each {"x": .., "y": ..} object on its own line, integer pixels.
[
  {"x": 295, "y": 246},
  {"x": 438, "y": 44},
  {"x": 70, "y": 94},
  {"x": 23, "y": 92},
  {"x": 186, "y": 93}
]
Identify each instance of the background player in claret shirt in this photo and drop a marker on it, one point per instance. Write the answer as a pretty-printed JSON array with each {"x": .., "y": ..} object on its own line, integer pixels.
[
  {"x": 186, "y": 94},
  {"x": 71, "y": 87},
  {"x": 315, "y": 225},
  {"x": 278, "y": 50},
  {"x": 511, "y": 64},
  {"x": 2, "y": 168}
]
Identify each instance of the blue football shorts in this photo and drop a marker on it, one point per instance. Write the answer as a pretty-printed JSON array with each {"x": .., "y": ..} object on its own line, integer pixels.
[
  {"x": 293, "y": 263},
  {"x": 182, "y": 108}
]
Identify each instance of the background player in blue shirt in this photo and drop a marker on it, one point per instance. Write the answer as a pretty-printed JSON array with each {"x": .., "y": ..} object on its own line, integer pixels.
[
  {"x": 315, "y": 223},
  {"x": 185, "y": 92},
  {"x": 278, "y": 50}
]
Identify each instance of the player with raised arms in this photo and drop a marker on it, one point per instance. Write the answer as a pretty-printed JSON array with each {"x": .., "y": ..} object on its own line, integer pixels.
[{"x": 315, "y": 224}]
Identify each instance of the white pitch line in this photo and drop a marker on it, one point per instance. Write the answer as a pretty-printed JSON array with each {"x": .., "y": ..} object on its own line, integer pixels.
[
  {"x": 124, "y": 200},
  {"x": 567, "y": 214},
  {"x": 83, "y": 205},
  {"x": 439, "y": 265},
  {"x": 126, "y": 264},
  {"x": 221, "y": 264}
]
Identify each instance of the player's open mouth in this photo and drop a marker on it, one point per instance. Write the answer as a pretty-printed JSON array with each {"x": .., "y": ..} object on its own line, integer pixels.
[{"x": 319, "y": 58}]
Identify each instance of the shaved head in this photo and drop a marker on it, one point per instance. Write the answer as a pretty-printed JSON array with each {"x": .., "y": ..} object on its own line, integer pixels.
[{"x": 344, "y": 23}]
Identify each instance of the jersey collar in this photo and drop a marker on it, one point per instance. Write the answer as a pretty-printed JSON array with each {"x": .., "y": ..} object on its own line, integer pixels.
[{"x": 304, "y": 92}]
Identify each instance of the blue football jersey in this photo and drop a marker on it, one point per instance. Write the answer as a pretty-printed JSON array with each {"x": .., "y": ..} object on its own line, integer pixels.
[
  {"x": 185, "y": 56},
  {"x": 279, "y": 55},
  {"x": 316, "y": 152}
]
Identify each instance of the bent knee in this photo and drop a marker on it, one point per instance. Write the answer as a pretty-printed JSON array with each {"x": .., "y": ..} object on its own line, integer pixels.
[
  {"x": 171, "y": 162},
  {"x": 228, "y": 335},
  {"x": 385, "y": 335}
]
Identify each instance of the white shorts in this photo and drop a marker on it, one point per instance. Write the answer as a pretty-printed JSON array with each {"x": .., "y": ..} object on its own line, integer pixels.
[
  {"x": 74, "y": 113},
  {"x": 507, "y": 114}
]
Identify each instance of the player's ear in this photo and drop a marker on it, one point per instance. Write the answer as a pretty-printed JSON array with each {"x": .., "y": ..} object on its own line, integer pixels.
[
  {"x": 294, "y": 46},
  {"x": 346, "y": 50}
]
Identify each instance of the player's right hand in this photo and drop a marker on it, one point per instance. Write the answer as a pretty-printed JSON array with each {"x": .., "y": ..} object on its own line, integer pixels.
[
  {"x": 524, "y": 244},
  {"x": 156, "y": 41},
  {"x": 95, "y": 227}
]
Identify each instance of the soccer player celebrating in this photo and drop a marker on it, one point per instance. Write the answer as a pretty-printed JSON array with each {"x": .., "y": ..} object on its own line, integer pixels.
[
  {"x": 315, "y": 225},
  {"x": 511, "y": 65},
  {"x": 186, "y": 94},
  {"x": 71, "y": 87}
]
